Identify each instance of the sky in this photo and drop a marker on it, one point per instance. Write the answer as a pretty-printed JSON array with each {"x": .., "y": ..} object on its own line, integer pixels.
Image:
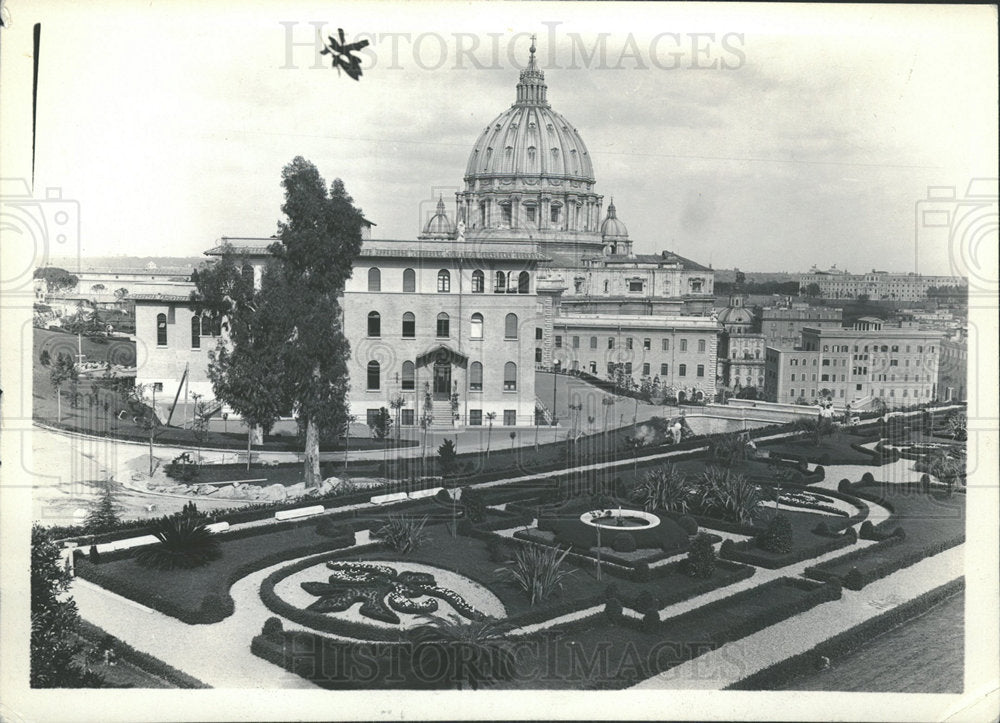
[{"x": 770, "y": 137}]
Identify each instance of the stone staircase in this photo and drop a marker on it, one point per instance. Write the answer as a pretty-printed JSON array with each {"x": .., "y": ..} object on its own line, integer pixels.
[{"x": 441, "y": 413}]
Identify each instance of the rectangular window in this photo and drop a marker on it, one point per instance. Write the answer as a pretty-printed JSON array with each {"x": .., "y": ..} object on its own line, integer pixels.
[
  {"x": 682, "y": 370},
  {"x": 371, "y": 417},
  {"x": 684, "y": 344},
  {"x": 701, "y": 370},
  {"x": 628, "y": 342},
  {"x": 475, "y": 417},
  {"x": 538, "y": 355},
  {"x": 647, "y": 344},
  {"x": 635, "y": 285},
  {"x": 611, "y": 342},
  {"x": 554, "y": 214},
  {"x": 529, "y": 212},
  {"x": 442, "y": 327},
  {"x": 666, "y": 345},
  {"x": 793, "y": 377},
  {"x": 576, "y": 342},
  {"x": 645, "y": 369},
  {"x": 558, "y": 342},
  {"x": 664, "y": 370},
  {"x": 825, "y": 378},
  {"x": 701, "y": 345},
  {"x": 593, "y": 342},
  {"x": 509, "y": 417},
  {"x": 538, "y": 333},
  {"x": 628, "y": 368},
  {"x": 406, "y": 417}
]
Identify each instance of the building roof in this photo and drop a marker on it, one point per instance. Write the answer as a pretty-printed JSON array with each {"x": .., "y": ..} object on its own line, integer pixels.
[
  {"x": 652, "y": 322},
  {"x": 660, "y": 259},
  {"x": 410, "y": 249}
]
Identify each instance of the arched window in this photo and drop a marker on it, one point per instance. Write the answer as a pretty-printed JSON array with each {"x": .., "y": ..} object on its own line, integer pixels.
[
  {"x": 161, "y": 329},
  {"x": 408, "y": 377},
  {"x": 409, "y": 281},
  {"x": 509, "y": 377},
  {"x": 374, "y": 280},
  {"x": 374, "y": 324},
  {"x": 475, "y": 377},
  {"x": 409, "y": 325},
  {"x": 246, "y": 271},
  {"x": 374, "y": 376},
  {"x": 478, "y": 282},
  {"x": 523, "y": 282},
  {"x": 444, "y": 281},
  {"x": 477, "y": 326},
  {"x": 216, "y": 326},
  {"x": 510, "y": 326},
  {"x": 501, "y": 284},
  {"x": 442, "y": 325},
  {"x": 196, "y": 332}
]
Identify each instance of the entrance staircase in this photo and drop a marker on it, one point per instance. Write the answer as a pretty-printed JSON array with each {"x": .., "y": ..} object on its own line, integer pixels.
[{"x": 441, "y": 413}]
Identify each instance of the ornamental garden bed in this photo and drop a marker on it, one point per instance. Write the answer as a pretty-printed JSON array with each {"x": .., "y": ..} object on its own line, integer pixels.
[
  {"x": 836, "y": 448},
  {"x": 201, "y": 594},
  {"x": 931, "y": 522}
]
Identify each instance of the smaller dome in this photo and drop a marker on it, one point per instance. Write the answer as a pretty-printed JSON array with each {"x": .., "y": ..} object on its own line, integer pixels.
[
  {"x": 613, "y": 229},
  {"x": 439, "y": 225},
  {"x": 735, "y": 315}
]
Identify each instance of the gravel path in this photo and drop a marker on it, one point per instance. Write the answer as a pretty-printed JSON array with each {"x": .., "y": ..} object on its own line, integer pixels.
[{"x": 737, "y": 660}]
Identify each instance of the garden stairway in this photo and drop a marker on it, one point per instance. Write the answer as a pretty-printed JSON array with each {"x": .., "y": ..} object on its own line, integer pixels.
[{"x": 441, "y": 414}]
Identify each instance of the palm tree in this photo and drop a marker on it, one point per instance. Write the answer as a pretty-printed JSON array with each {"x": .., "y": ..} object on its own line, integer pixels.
[
  {"x": 475, "y": 652},
  {"x": 490, "y": 416}
]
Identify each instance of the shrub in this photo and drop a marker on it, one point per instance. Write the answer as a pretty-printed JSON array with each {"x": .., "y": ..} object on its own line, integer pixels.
[
  {"x": 819, "y": 473},
  {"x": 182, "y": 468},
  {"x": 473, "y": 508},
  {"x": 499, "y": 550},
  {"x": 613, "y": 609},
  {"x": 610, "y": 592},
  {"x": 688, "y": 524},
  {"x": 899, "y": 532},
  {"x": 183, "y": 543},
  {"x": 642, "y": 571},
  {"x": 853, "y": 580},
  {"x": 821, "y": 529},
  {"x": 651, "y": 620},
  {"x": 824, "y": 458},
  {"x": 777, "y": 537},
  {"x": 663, "y": 488},
  {"x": 402, "y": 534},
  {"x": 443, "y": 496},
  {"x": 868, "y": 531},
  {"x": 700, "y": 561},
  {"x": 727, "y": 495},
  {"x": 94, "y": 555},
  {"x": 851, "y": 535},
  {"x": 844, "y": 486},
  {"x": 273, "y": 628},
  {"x": 867, "y": 478},
  {"x": 537, "y": 571},
  {"x": 726, "y": 548},
  {"x": 623, "y": 542},
  {"x": 925, "y": 482}
]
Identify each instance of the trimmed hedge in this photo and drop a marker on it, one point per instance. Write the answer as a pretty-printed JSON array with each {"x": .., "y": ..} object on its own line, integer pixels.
[
  {"x": 780, "y": 674},
  {"x": 747, "y": 552},
  {"x": 214, "y": 608},
  {"x": 139, "y": 659}
]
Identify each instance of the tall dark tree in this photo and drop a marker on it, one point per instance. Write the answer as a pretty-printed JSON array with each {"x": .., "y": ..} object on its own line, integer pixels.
[
  {"x": 105, "y": 510},
  {"x": 318, "y": 244},
  {"x": 286, "y": 347},
  {"x": 244, "y": 368}
]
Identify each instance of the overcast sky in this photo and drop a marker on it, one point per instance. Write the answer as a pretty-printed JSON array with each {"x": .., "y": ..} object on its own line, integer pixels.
[{"x": 808, "y": 139}]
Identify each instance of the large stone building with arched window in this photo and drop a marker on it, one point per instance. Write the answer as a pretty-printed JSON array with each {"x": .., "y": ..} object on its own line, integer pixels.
[{"x": 453, "y": 325}]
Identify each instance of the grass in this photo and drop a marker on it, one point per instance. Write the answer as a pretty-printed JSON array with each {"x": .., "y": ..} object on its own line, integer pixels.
[
  {"x": 133, "y": 668},
  {"x": 832, "y": 449}
]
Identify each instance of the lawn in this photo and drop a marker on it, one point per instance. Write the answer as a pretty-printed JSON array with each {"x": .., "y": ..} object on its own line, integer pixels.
[
  {"x": 832, "y": 449},
  {"x": 130, "y": 668}
]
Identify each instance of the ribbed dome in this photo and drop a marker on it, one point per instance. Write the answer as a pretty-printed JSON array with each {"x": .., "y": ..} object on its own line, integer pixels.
[
  {"x": 735, "y": 315},
  {"x": 530, "y": 139},
  {"x": 613, "y": 229},
  {"x": 439, "y": 225}
]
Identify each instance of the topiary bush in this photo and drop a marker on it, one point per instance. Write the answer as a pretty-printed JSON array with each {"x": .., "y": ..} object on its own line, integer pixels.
[
  {"x": 868, "y": 531},
  {"x": 688, "y": 524},
  {"x": 613, "y": 609},
  {"x": 899, "y": 532},
  {"x": 853, "y": 580},
  {"x": 867, "y": 478},
  {"x": 642, "y": 571},
  {"x": 819, "y": 473},
  {"x": 777, "y": 537},
  {"x": 844, "y": 486},
  {"x": 623, "y": 542},
  {"x": 94, "y": 554},
  {"x": 726, "y": 548},
  {"x": 499, "y": 550},
  {"x": 851, "y": 535},
  {"x": 273, "y": 627},
  {"x": 700, "y": 561},
  {"x": 821, "y": 529}
]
